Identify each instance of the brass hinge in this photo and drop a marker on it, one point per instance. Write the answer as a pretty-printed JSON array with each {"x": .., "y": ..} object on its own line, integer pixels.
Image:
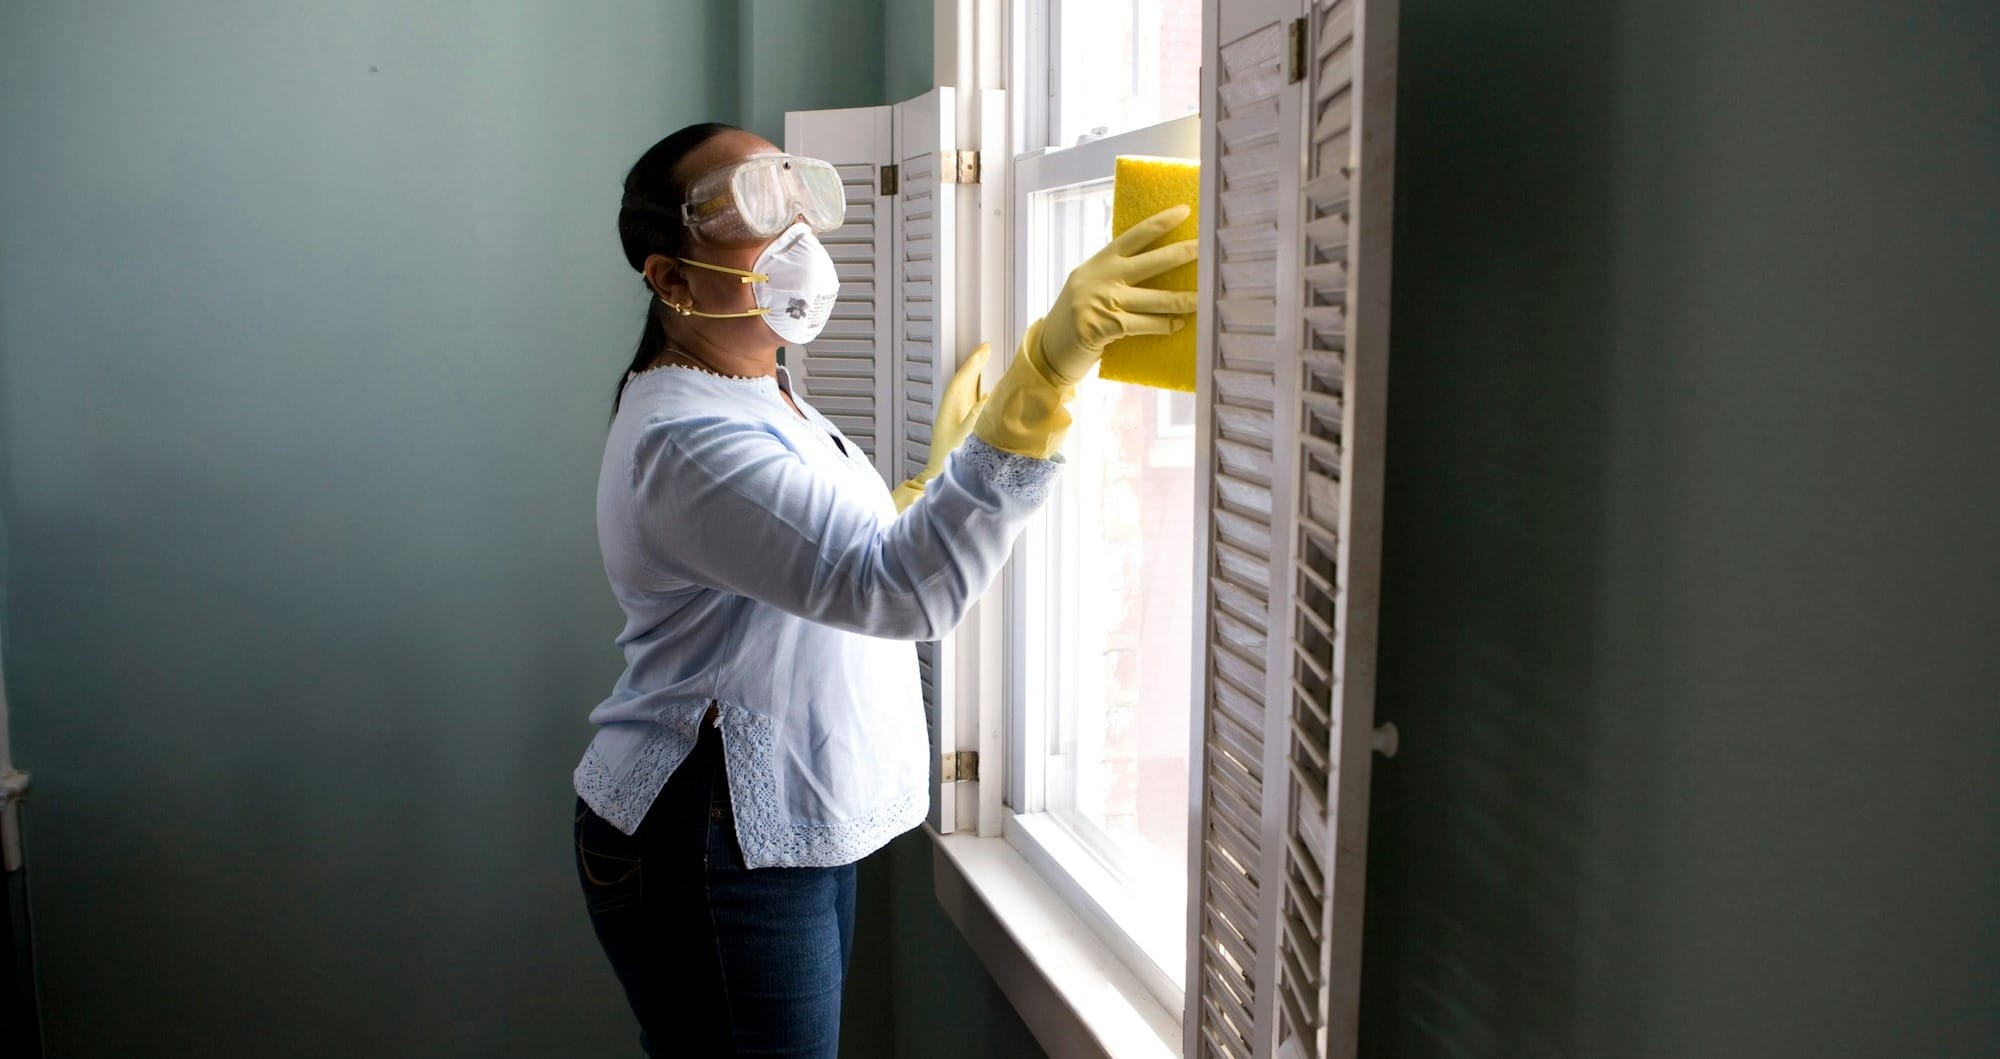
[
  {"x": 960, "y": 765},
  {"x": 891, "y": 179},
  {"x": 1295, "y": 63},
  {"x": 958, "y": 167}
]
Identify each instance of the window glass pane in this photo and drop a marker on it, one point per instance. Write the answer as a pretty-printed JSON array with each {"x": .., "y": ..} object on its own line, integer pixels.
[
  {"x": 1122, "y": 530},
  {"x": 1123, "y": 64}
]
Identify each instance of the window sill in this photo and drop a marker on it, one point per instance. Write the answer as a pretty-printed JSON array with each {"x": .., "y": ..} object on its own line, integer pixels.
[{"x": 1075, "y": 996}]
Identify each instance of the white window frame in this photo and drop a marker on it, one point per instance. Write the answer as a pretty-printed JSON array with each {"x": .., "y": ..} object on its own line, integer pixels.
[
  {"x": 1152, "y": 948},
  {"x": 1271, "y": 969},
  {"x": 1299, "y": 101},
  {"x": 1050, "y": 935}
]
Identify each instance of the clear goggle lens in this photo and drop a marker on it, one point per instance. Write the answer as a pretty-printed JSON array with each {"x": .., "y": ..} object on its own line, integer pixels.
[{"x": 759, "y": 198}]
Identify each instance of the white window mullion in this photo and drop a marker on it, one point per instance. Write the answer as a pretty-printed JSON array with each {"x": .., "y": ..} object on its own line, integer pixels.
[
  {"x": 924, "y": 351},
  {"x": 983, "y": 317}
]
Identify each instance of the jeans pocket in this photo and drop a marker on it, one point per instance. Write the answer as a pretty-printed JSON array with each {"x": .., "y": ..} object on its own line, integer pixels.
[{"x": 608, "y": 863}]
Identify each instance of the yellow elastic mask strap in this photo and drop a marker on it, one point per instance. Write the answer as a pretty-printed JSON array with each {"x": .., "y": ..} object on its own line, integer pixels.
[
  {"x": 742, "y": 277},
  {"x": 746, "y": 277}
]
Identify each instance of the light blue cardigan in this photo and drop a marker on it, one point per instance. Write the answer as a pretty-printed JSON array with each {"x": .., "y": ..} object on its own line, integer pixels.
[{"x": 763, "y": 568}]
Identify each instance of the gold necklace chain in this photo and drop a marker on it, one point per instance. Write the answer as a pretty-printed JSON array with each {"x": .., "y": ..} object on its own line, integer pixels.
[{"x": 698, "y": 365}]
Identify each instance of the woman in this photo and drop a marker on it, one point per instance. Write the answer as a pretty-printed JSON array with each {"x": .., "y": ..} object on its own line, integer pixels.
[{"x": 768, "y": 731}]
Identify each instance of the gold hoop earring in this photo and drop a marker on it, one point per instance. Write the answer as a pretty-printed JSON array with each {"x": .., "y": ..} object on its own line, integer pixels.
[{"x": 684, "y": 310}]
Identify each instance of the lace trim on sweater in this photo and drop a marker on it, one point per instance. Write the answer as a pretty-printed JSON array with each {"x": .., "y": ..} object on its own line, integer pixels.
[
  {"x": 767, "y": 840},
  {"x": 623, "y": 801},
  {"x": 762, "y": 834},
  {"x": 1025, "y": 477}
]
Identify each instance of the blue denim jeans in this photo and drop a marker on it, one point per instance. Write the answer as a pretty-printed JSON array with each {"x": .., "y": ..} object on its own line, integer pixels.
[{"x": 716, "y": 959}]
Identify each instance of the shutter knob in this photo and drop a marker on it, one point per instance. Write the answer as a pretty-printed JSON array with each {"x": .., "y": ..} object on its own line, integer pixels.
[{"x": 1386, "y": 739}]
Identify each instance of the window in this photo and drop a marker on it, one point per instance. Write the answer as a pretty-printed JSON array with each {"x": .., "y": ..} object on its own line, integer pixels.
[
  {"x": 1270, "y": 480},
  {"x": 1120, "y": 66},
  {"x": 1098, "y": 794}
]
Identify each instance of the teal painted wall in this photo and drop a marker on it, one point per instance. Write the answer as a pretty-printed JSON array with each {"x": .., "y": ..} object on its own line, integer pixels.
[
  {"x": 942, "y": 991},
  {"x": 1688, "y": 616},
  {"x": 908, "y": 69},
  {"x": 303, "y": 366},
  {"x": 807, "y": 55},
  {"x": 308, "y": 326}
]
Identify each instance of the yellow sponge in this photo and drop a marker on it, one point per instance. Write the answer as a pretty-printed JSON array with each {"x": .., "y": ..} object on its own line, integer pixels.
[{"x": 1141, "y": 188}]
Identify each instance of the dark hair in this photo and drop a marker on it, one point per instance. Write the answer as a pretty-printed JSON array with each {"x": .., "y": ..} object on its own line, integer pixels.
[{"x": 649, "y": 222}]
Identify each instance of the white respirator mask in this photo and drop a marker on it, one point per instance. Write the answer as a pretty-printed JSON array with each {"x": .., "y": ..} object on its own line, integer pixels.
[{"x": 794, "y": 283}]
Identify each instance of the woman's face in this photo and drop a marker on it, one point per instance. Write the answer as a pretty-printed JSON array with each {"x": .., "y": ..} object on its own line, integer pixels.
[{"x": 716, "y": 292}]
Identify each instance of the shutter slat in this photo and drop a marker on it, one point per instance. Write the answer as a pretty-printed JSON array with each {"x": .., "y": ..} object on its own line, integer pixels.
[
  {"x": 1243, "y": 354},
  {"x": 1245, "y": 496},
  {"x": 1228, "y": 947},
  {"x": 1232, "y": 947},
  {"x": 1233, "y": 943},
  {"x": 1238, "y": 814},
  {"x": 1311, "y": 740},
  {"x": 1236, "y": 602},
  {"x": 1248, "y": 570},
  {"x": 1241, "y": 635}
]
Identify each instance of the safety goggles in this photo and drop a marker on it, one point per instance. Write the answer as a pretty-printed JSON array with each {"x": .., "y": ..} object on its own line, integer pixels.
[{"x": 761, "y": 196}]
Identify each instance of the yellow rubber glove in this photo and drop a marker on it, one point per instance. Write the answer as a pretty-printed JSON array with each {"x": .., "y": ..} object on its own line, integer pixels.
[
  {"x": 957, "y": 407},
  {"x": 1100, "y": 303}
]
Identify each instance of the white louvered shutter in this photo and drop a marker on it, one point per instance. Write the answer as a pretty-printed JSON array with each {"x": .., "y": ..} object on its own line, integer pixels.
[
  {"x": 844, "y": 372},
  {"x": 925, "y": 207},
  {"x": 1293, "y": 366},
  {"x": 1345, "y": 206},
  {"x": 1249, "y": 121}
]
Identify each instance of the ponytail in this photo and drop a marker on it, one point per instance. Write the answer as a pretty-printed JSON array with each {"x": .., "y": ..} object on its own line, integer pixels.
[
  {"x": 652, "y": 340},
  {"x": 646, "y": 227}
]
